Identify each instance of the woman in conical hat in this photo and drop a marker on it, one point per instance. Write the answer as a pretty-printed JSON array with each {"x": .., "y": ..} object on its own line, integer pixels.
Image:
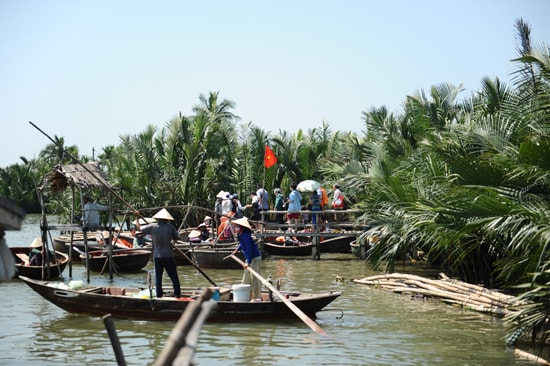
[
  {"x": 35, "y": 254},
  {"x": 243, "y": 222},
  {"x": 251, "y": 252},
  {"x": 36, "y": 243}
]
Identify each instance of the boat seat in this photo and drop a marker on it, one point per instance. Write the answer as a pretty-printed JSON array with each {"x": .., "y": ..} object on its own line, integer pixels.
[
  {"x": 116, "y": 291},
  {"x": 24, "y": 257}
]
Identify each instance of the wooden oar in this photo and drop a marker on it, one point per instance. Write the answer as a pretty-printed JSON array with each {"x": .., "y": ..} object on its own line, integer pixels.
[
  {"x": 306, "y": 319},
  {"x": 193, "y": 264}
]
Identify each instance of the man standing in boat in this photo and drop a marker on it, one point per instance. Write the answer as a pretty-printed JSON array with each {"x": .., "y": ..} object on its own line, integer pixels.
[{"x": 162, "y": 233}]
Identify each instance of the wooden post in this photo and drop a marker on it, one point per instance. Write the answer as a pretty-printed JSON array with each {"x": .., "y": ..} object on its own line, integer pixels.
[
  {"x": 315, "y": 250},
  {"x": 115, "y": 342},
  {"x": 316, "y": 247},
  {"x": 362, "y": 248},
  {"x": 110, "y": 239},
  {"x": 85, "y": 231},
  {"x": 71, "y": 255},
  {"x": 184, "y": 325},
  {"x": 71, "y": 242}
]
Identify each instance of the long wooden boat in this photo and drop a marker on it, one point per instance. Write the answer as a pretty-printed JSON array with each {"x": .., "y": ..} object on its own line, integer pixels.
[
  {"x": 137, "y": 303},
  {"x": 51, "y": 271},
  {"x": 215, "y": 258},
  {"x": 126, "y": 260}
]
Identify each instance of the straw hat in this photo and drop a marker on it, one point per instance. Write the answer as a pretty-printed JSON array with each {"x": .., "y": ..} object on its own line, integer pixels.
[
  {"x": 87, "y": 197},
  {"x": 242, "y": 222},
  {"x": 194, "y": 234},
  {"x": 36, "y": 243},
  {"x": 163, "y": 215},
  {"x": 144, "y": 221}
]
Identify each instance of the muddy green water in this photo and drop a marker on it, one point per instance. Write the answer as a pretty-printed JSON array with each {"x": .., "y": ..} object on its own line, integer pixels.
[{"x": 368, "y": 326}]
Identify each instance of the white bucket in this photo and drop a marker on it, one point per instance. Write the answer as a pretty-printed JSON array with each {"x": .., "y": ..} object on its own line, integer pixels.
[{"x": 241, "y": 293}]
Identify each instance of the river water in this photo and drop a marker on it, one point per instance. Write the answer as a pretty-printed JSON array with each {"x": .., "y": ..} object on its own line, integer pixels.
[{"x": 368, "y": 326}]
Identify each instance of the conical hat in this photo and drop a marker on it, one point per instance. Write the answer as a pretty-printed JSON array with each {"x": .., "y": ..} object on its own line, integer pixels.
[
  {"x": 144, "y": 221},
  {"x": 163, "y": 215},
  {"x": 194, "y": 234},
  {"x": 242, "y": 222},
  {"x": 36, "y": 243}
]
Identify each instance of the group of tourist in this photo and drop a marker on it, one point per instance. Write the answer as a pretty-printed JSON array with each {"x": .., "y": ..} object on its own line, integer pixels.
[{"x": 318, "y": 201}]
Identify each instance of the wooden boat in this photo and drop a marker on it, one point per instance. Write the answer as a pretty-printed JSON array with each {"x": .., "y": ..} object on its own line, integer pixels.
[
  {"x": 126, "y": 260},
  {"x": 137, "y": 303},
  {"x": 62, "y": 244},
  {"x": 54, "y": 270},
  {"x": 214, "y": 258},
  {"x": 299, "y": 249},
  {"x": 338, "y": 244},
  {"x": 355, "y": 248}
]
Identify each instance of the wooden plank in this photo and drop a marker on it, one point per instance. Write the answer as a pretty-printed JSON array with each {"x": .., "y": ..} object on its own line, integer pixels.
[{"x": 24, "y": 257}]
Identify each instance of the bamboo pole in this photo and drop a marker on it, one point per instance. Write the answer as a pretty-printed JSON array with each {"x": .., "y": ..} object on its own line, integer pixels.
[
  {"x": 454, "y": 292},
  {"x": 296, "y": 310}
]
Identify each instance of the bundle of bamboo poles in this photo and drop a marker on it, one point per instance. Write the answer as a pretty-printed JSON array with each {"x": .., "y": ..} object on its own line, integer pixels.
[
  {"x": 455, "y": 292},
  {"x": 448, "y": 290}
]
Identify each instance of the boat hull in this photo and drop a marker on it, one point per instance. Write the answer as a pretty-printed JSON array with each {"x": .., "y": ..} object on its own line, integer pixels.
[
  {"x": 299, "y": 250},
  {"x": 52, "y": 271},
  {"x": 340, "y": 244},
  {"x": 100, "y": 301},
  {"x": 130, "y": 260},
  {"x": 217, "y": 258}
]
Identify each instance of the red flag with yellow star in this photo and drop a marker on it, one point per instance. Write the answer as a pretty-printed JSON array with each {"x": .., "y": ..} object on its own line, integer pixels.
[{"x": 269, "y": 157}]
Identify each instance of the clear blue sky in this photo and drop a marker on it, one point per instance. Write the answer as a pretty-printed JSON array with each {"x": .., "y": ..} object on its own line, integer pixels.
[{"x": 91, "y": 71}]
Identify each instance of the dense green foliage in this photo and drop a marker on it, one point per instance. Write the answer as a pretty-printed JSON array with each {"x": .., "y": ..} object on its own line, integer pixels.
[{"x": 467, "y": 181}]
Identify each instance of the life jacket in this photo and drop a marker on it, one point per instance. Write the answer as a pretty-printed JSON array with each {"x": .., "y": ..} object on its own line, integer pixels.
[{"x": 324, "y": 198}]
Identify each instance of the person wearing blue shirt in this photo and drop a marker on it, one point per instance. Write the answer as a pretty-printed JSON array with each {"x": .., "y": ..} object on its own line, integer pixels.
[
  {"x": 315, "y": 203},
  {"x": 90, "y": 214},
  {"x": 294, "y": 207},
  {"x": 252, "y": 254}
]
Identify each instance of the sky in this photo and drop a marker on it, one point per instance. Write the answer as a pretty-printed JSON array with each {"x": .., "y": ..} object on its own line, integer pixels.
[{"x": 91, "y": 71}]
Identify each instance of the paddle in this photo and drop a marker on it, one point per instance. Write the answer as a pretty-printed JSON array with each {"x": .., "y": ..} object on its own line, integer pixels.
[
  {"x": 193, "y": 263},
  {"x": 309, "y": 322}
]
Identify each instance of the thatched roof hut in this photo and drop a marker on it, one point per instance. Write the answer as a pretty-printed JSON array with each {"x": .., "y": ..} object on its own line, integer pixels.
[{"x": 83, "y": 176}]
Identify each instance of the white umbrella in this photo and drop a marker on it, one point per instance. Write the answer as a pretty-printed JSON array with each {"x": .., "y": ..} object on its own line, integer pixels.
[
  {"x": 222, "y": 194},
  {"x": 308, "y": 185}
]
